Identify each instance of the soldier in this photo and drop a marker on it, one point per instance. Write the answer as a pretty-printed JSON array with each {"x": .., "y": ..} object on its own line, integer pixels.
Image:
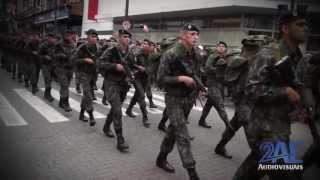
[
  {"x": 274, "y": 104},
  {"x": 46, "y": 55},
  {"x": 85, "y": 60},
  {"x": 35, "y": 62},
  {"x": 141, "y": 83},
  {"x": 116, "y": 63},
  {"x": 215, "y": 68},
  {"x": 64, "y": 67},
  {"x": 181, "y": 91},
  {"x": 236, "y": 75}
]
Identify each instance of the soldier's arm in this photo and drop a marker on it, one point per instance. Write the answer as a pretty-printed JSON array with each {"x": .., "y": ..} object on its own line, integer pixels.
[
  {"x": 209, "y": 65},
  {"x": 105, "y": 62},
  {"x": 257, "y": 88},
  {"x": 165, "y": 76}
]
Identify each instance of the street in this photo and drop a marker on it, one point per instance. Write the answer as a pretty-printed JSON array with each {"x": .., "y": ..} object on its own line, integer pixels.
[{"x": 40, "y": 141}]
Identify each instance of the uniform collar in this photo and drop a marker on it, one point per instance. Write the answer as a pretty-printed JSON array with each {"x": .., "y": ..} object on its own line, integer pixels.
[
  {"x": 183, "y": 50},
  {"x": 285, "y": 50}
]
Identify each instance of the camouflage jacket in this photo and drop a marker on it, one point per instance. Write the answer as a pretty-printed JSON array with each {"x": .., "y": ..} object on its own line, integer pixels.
[
  {"x": 84, "y": 51},
  {"x": 169, "y": 70},
  {"x": 63, "y": 55}
]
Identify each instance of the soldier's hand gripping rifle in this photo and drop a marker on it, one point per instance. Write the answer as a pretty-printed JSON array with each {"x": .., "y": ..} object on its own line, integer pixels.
[
  {"x": 186, "y": 70},
  {"x": 130, "y": 74}
]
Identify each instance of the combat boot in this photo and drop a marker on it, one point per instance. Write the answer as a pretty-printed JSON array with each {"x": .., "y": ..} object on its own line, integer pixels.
[
  {"x": 203, "y": 123},
  {"x": 129, "y": 110},
  {"x": 162, "y": 125},
  {"x": 81, "y": 116},
  {"x": 78, "y": 89},
  {"x": 145, "y": 121},
  {"x": 152, "y": 105},
  {"x": 162, "y": 162},
  {"x": 34, "y": 89},
  {"x": 66, "y": 105},
  {"x": 47, "y": 95},
  {"x": 221, "y": 150},
  {"x": 61, "y": 103},
  {"x": 106, "y": 127},
  {"x": 122, "y": 146},
  {"x": 26, "y": 83},
  {"x": 193, "y": 174},
  {"x": 92, "y": 121}
]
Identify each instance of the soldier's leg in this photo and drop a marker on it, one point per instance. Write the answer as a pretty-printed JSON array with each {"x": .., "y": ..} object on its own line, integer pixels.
[
  {"x": 205, "y": 111},
  {"x": 20, "y": 69},
  {"x": 162, "y": 123},
  {"x": 86, "y": 102},
  {"x": 142, "y": 103},
  {"x": 133, "y": 101},
  {"x": 35, "y": 77},
  {"x": 149, "y": 94},
  {"x": 13, "y": 67},
  {"x": 46, "y": 72},
  {"x": 64, "y": 80},
  {"x": 217, "y": 101},
  {"x": 249, "y": 168},
  {"x": 77, "y": 81}
]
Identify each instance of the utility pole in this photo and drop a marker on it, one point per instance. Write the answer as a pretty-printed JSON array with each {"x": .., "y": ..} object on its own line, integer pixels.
[
  {"x": 126, "y": 10},
  {"x": 292, "y": 5}
]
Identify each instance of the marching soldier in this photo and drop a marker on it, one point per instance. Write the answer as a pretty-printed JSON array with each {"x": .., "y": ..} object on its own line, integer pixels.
[
  {"x": 46, "y": 55},
  {"x": 141, "y": 83},
  {"x": 86, "y": 60},
  {"x": 181, "y": 90},
  {"x": 64, "y": 67},
  {"x": 215, "y": 68},
  {"x": 116, "y": 63},
  {"x": 275, "y": 99}
]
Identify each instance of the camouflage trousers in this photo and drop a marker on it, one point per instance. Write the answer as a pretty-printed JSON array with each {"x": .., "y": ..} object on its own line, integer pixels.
[
  {"x": 47, "y": 72},
  {"x": 115, "y": 93},
  {"x": 240, "y": 118},
  {"x": 87, "y": 98},
  {"x": 139, "y": 96},
  {"x": 215, "y": 99},
  {"x": 178, "y": 109},
  {"x": 64, "y": 78},
  {"x": 35, "y": 72}
]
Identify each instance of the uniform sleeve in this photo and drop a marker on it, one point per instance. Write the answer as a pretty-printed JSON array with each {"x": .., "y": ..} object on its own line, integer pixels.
[
  {"x": 256, "y": 86},
  {"x": 165, "y": 76},
  {"x": 105, "y": 61},
  {"x": 209, "y": 67}
]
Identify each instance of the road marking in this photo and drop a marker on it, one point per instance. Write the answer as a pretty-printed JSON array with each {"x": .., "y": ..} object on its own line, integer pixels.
[
  {"x": 74, "y": 104},
  {"x": 9, "y": 114},
  {"x": 99, "y": 101},
  {"x": 47, "y": 111}
]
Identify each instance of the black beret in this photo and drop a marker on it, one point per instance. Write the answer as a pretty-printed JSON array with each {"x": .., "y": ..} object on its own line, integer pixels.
[
  {"x": 51, "y": 34},
  {"x": 221, "y": 42},
  {"x": 123, "y": 31},
  {"x": 92, "y": 32},
  {"x": 286, "y": 16},
  {"x": 190, "y": 27},
  {"x": 69, "y": 31}
]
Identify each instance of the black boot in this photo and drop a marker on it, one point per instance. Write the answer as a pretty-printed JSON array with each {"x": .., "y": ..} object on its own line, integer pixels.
[
  {"x": 129, "y": 110},
  {"x": 122, "y": 146},
  {"x": 221, "y": 150},
  {"x": 145, "y": 122},
  {"x": 162, "y": 163},
  {"x": 92, "y": 121},
  {"x": 47, "y": 95},
  {"x": 152, "y": 105},
  {"x": 78, "y": 89},
  {"x": 26, "y": 83},
  {"x": 81, "y": 116},
  {"x": 106, "y": 127},
  {"x": 66, "y": 105},
  {"x": 203, "y": 123},
  {"x": 193, "y": 174},
  {"x": 104, "y": 100}
]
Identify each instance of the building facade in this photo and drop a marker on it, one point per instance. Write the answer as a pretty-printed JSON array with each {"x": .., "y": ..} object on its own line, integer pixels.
[{"x": 226, "y": 20}]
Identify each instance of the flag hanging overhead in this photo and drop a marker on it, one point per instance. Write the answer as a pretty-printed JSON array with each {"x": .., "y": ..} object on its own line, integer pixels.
[{"x": 92, "y": 9}]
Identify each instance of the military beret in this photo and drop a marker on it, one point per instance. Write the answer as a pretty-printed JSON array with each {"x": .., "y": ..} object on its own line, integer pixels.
[
  {"x": 123, "y": 31},
  {"x": 256, "y": 40},
  {"x": 221, "y": 42},
  {"x": 92, "y": 32},
  {"x": 167, "y": 42},
  {"x": 287, "y": 16},
  {"x": 51, "y": 34},
  {"x": 190, "y": 27},
  {"x": 69, "y": 31}
]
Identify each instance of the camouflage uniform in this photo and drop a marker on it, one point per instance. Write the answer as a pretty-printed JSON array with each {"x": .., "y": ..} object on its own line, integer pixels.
[
  {"x": 115, "y": 87},
  {"x": 236, "y": 76},
  {"x": 215, "y": 69},
  {"x": 86, "y": 74},
  {"x": 179, "y": 100},
  {"x": 35, "y": 65},
  {"x": 46, "y": 53},
  {"x": 269, "y": 120},
  {"x": 64, "y": 69},
  {"x": 141, "y": 83}
]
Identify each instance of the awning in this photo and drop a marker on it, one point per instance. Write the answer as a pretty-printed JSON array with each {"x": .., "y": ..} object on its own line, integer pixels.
[{"x": 56, "y": 14}]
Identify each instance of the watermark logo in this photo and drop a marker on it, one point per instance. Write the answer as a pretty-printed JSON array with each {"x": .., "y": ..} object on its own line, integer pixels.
[{"x": 280, "y": 156}]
